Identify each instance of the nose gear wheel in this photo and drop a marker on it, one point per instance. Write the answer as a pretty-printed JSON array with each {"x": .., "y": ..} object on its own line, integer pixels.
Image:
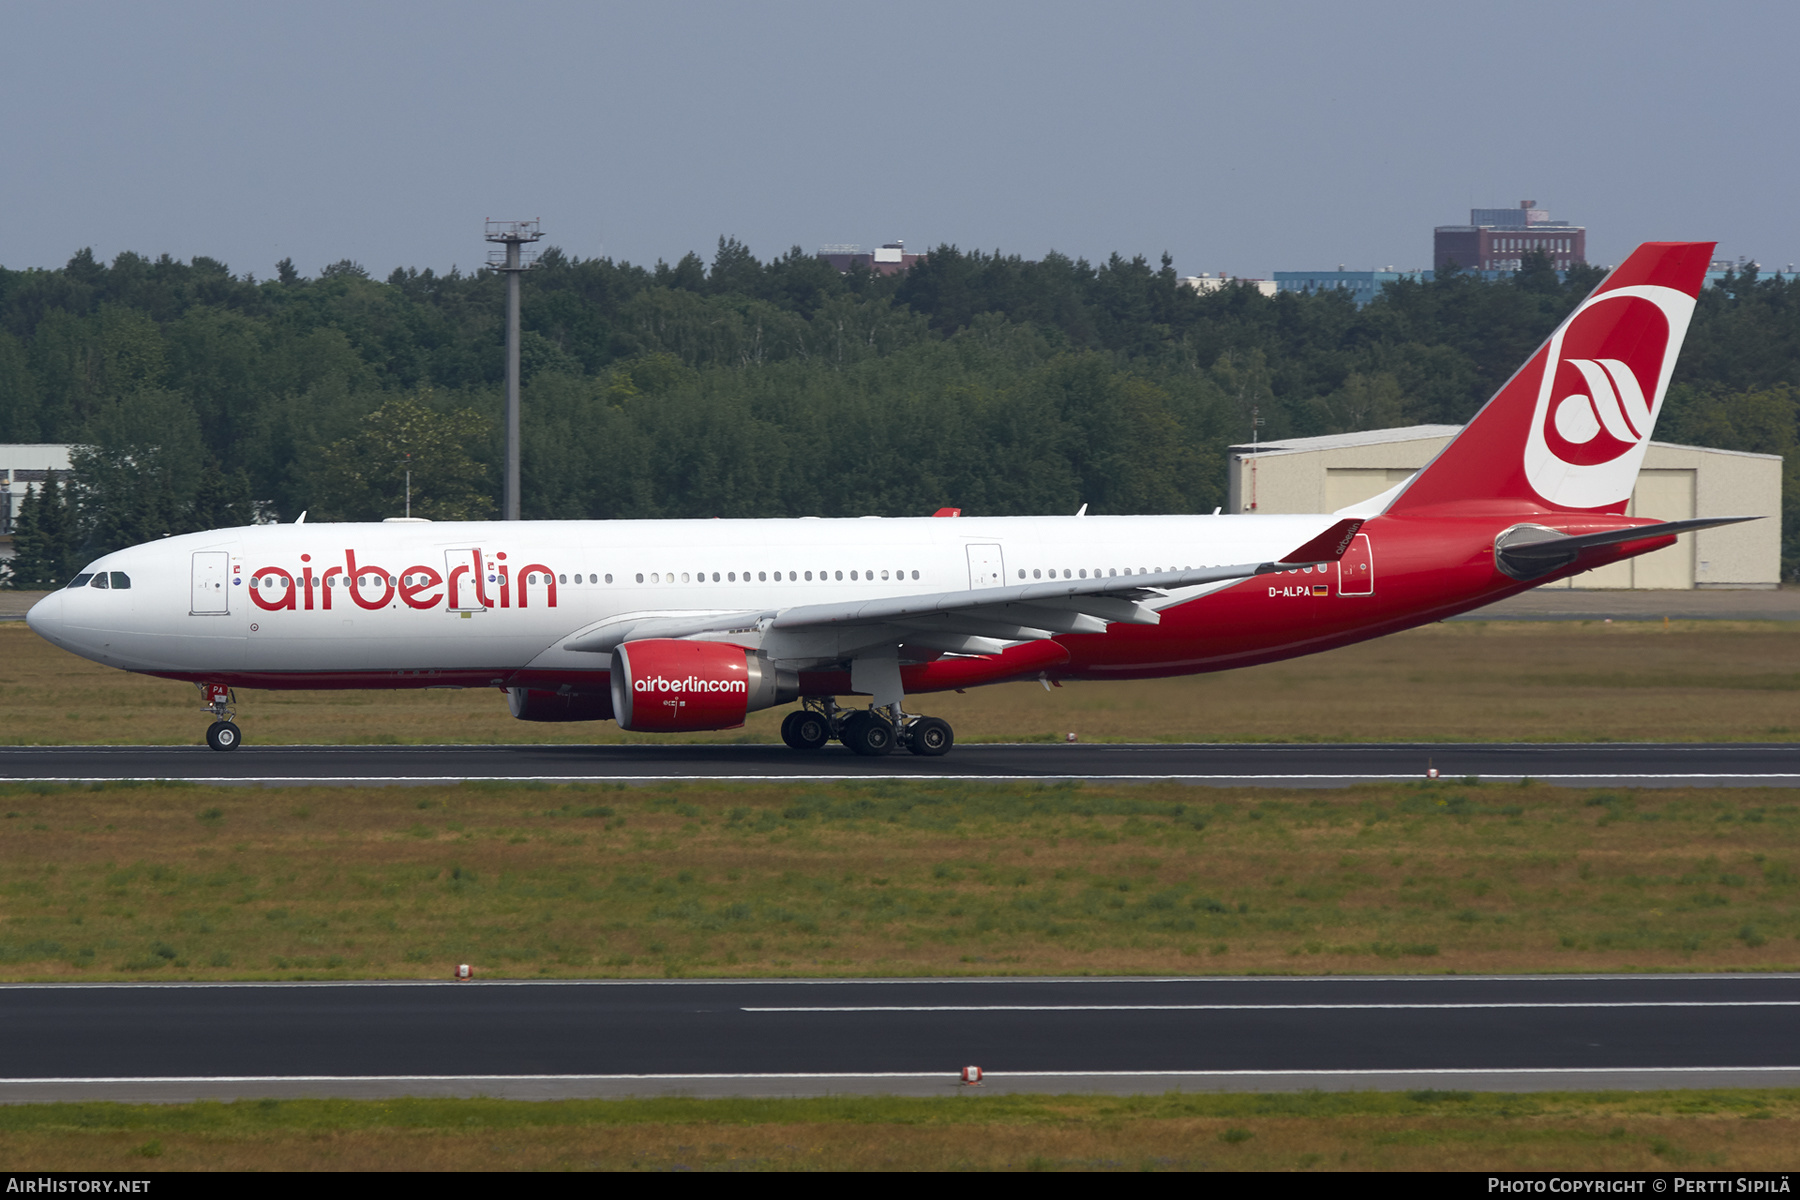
[{"x": 223, "y": 733}]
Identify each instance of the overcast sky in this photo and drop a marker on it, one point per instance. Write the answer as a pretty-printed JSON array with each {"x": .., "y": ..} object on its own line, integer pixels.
[{"x": 1239, "y": 137}]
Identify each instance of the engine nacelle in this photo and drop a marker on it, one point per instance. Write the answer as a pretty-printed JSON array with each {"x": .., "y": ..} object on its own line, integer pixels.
[
  {"x": 536, "y": 704},
  {"x": 665, "y": 685}
]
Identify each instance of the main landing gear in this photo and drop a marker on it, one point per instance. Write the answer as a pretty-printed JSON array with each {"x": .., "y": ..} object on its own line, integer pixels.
[
  {"x": 223, "y": 733},
  {"x": 871, "y": 732}
]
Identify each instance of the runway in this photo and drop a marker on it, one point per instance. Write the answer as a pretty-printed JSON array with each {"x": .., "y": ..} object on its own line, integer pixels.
[
  {"x": 609, "y": 1038},
  {"x": 1577, "y": 765}
]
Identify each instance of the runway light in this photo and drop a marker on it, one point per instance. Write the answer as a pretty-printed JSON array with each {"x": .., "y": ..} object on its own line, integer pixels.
[
  {"x": 1070, "y": 738},
  {"x": 971, "y": 1076},
  {"x": 464, "y": 973},
  {"x": 1431, "y": 772}
]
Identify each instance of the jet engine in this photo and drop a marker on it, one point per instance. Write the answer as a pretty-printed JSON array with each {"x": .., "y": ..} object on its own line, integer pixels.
[
  {"x": 665, "y": 685},
  {"x": 536, "y": 704}
]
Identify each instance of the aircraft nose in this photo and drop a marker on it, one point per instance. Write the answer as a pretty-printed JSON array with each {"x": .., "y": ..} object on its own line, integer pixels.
[{"x": 45, "y": 616}]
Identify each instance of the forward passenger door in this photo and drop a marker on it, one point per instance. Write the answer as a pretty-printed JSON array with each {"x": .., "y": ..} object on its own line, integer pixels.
[{"x": 211, "y": 584}]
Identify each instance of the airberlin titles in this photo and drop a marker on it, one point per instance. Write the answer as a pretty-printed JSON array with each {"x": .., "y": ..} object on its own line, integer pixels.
[
  {"x": 469, "y": 581},
  {"x": 693, "y": 683}
]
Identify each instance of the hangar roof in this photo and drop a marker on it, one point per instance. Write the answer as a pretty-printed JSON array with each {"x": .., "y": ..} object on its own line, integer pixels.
[
  {"x": 1414, "y": 433},
  {"x": 1343, "y": 441}
]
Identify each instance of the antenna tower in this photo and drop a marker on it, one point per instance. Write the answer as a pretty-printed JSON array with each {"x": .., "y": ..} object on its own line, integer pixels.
[{"x": 512, "y": 262}]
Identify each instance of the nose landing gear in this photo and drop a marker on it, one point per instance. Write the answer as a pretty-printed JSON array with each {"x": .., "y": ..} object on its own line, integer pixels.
[{"x": 223, "y": 733}]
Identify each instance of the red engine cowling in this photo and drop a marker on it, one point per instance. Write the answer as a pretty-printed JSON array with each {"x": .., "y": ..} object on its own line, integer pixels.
[
  {"x": 664, "y": 685},
  {"x": 536, "y": 704}
]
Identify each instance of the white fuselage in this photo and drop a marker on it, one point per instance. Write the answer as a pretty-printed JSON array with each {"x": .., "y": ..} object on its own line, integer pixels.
[{"x": 282, "y": 599}]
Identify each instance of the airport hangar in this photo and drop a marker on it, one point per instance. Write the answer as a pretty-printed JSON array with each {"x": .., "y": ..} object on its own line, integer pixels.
[{"x": 1325, "y": 474}]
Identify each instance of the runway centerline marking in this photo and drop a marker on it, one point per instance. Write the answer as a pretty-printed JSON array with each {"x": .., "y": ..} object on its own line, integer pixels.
[{"x": 930, "y": 1008}]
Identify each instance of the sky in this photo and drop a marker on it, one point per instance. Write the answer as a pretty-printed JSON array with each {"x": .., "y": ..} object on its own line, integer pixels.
[{"x": 1245, "y": 138}]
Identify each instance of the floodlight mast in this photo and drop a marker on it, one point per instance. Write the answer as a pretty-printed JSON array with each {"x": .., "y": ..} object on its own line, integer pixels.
[{"x": 512, "y": 263}]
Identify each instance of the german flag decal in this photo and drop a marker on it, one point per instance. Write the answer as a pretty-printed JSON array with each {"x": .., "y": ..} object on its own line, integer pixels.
[{"x": 1321, "y": 589}]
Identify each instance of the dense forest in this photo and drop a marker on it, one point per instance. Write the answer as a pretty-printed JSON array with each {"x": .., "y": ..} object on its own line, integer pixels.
[{"x": 746, "y": 388}]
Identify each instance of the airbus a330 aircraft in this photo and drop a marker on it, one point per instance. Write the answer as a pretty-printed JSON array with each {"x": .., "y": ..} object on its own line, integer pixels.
[{"x": 673, "y": 626}]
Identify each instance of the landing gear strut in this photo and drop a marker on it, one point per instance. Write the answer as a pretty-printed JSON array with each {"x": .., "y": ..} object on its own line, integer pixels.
[
  {"x": 870, "y": 732},
  {"x": 223, "y": 733}
]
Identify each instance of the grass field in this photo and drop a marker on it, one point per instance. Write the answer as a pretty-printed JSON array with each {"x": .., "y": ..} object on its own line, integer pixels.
[
  {"x": 176, "y": 882},
  {"x": 1432, "y": 1130},
  {"x": 890, "y": 878},
  {"x": 1456, "y": 681}
]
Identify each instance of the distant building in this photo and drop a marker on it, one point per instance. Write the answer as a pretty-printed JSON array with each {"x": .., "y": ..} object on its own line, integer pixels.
[
  {"x": 1326, "y": 474},
  {"x": 23, "y": 469},
  {"x": 1719, "y": 268},
  {"x": 1363, "y": 286},
  {"x": 890, "y": 258},
  {"x": 1497, "y": 239},
  {"x": 1204, "y": 283}
]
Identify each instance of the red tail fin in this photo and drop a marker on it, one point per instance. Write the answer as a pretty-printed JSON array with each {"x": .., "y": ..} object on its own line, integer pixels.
[{"x": 1569, "y": 431}]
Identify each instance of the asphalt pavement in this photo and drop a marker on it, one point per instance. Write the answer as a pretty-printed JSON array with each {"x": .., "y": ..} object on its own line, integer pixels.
[
  {"x": 551, "y": 1039},
  {"x": 1689, "y": 764}
]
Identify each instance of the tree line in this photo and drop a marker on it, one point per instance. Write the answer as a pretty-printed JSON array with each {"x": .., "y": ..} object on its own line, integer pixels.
[{"x": 199, "y": 398}]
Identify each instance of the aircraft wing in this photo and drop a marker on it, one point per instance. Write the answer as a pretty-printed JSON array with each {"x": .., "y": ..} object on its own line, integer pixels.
[{"x": 970, "y": 621}]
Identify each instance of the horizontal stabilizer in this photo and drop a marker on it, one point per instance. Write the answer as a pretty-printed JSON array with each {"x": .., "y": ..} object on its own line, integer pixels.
[{"x": 1529, "y": 551}]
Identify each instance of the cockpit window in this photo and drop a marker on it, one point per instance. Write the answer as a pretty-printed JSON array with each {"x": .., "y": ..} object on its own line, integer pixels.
[
  {"x": 99, "y": 580},
  {"x": 80, "y": 580},
  {"x": 120, "y": 579}
]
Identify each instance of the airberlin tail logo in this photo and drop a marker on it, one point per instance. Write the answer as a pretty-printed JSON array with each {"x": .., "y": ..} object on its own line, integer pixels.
[
  {"x": 1604, "y": 375},
  {"x": 1613, "y": 404}
]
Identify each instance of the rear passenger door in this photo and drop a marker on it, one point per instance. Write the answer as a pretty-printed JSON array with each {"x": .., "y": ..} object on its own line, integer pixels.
[{"x": 1356, "y": 570}]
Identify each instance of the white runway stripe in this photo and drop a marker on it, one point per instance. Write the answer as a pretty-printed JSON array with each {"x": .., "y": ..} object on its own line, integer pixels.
[
  {"x": 949, "y": 1075},
  {"x": 899, "y": 981},
  {"x": 1617, "y": 778},
  {"x": 926, "y": 1008}
]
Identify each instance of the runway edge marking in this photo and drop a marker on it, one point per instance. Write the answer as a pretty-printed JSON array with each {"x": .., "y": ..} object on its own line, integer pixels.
[
  {"x": 1247, "y": 1073},
  {"x": 1612, "y": 777}
]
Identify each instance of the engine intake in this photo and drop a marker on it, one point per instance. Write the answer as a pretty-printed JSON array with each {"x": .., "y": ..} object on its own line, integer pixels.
[{"x": 666, "y": 685}]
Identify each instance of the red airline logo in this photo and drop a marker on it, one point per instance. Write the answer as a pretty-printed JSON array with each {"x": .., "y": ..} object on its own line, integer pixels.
[
  {"x": 1598, "y": 409},
  {"x": 370, "y": 586}
]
